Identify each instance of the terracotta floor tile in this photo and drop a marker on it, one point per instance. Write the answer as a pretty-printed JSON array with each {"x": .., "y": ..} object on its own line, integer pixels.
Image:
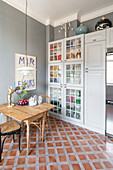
[
  {"x": 75, "y": 143},
  {"x": 32, "y": 152},
  {"x": 72, "y": 157},
  {"x": 72, "y": 137},
  {"x": 53, "y": 167},
  {"x": 108, "y": 164},
  {"x": 51, "y": 151},
  {"x": 92, "y": 156},
  {"x": 56, "y": 138},
  {"x": 76, "y": 167},
  {"x": 42, "y": 151},
  {"x": 83, "y": 143},
  {"x": 97, "y": 165},
  {"x": 21, "y": 161},
  {"x": 22, "y": 153},
  {"x": 31, "y": 160},
  {"x": 87, "y": 149},
  {"x": 101, "y": 155},
  {"x": 82, "y": 157},
  {"x": 41, "y": 145},
  {"x": 58, "y": 144},
  {"x": 66, "y": 143},
  {"x": 20, "y": 168},
  {"x": 49, "y": 144},
  {"x": 13, "y": 153},
  {"x": 95, "y": 148},
  {"x": 64, "y": 138},
  {"x": 87, "y": 166},
  {"x": 78, "y": 149},
  {"x": 10, "y": 162},
  {"x": 69, "y": 133},
  {"x": 42, "y": 159},
  {"x": 62, "y": 158},
  {"x": 60, "y": 150},
  {"x": 65, "y": 167},
  {"x": 69, "y": 150},
  {"x": 52, "y": 159},
  {"x": 42, "y": 168},
  {"x": 30, "y": 168},
  {"x": 91, "y": 142}
]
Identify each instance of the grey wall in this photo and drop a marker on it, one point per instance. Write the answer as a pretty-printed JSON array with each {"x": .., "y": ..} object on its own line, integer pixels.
[
  {"x": 91, "y": 23},
  {"x": 49, "y": 38},
  {"x": 12, "y": 40}
]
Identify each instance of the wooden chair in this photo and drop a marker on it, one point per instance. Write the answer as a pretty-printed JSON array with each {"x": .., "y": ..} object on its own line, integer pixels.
[
  {"x": 47, "y": 100},
  {"x": 38, "y": 122},
  {"x": 7, "y": 129}
]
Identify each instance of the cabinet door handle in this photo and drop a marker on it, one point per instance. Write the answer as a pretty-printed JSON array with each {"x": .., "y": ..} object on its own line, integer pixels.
[
  {"x": 86, "y": 68},
  {"x": 94, "y": 40},
  {"x": 86, "y": 71}
]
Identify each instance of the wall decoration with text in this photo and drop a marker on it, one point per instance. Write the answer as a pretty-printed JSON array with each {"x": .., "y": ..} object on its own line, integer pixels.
[{"x": 20, "y": 61}]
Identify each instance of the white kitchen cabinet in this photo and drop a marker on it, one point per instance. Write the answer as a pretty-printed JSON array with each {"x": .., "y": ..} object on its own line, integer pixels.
[
  {"x": 55, "y": 50},
  {"x": 95, "y": 56},
  {"x": 55, "y": 74},
  {"x": 73, "y": 74},
  {"x": 65, "y": 74},
  {"x": 95, "y": 99},
  {"x": 73, "y": 104},
  {"x": 109, "y": 38},
  {"x": 56, "y": 97},
  {"x": 95, "y": 36},
  {"x": 74, "y": 48}
]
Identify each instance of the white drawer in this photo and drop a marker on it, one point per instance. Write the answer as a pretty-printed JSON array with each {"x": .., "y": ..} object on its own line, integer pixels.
[{"x": 95, "y": 36}]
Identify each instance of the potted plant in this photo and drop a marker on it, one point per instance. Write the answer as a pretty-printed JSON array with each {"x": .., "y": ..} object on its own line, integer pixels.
[{"x": 21, "y": 92}]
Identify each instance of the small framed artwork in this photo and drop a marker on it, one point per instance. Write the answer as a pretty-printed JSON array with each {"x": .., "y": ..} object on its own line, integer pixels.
[{"x": 31, "y": 79}]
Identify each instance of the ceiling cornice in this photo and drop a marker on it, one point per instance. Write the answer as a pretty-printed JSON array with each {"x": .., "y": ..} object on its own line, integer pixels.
[
  {"x": 21, "y": 7},
  {"x": 97, "y": 13},
  {"x": 91, "y": 15}
]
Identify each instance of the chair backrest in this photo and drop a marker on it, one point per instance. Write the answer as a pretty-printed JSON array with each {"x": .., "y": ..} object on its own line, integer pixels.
[{"x": 47, "y": 99}]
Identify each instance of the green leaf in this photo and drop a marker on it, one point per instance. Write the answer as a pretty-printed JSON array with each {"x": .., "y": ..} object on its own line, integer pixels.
[{"x": 24, "y": 83}]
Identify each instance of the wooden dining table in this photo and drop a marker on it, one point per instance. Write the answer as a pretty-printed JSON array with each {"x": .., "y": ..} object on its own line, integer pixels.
[{"x": 27, "y": 114}]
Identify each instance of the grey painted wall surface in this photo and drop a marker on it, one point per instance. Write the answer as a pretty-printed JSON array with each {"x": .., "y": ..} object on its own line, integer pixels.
[
  {"x": 12, "y": 40},
  {"x": 61, "y": 35},
  {"x": 49, "y": 37},
  {"x": 91, "y": 23}
]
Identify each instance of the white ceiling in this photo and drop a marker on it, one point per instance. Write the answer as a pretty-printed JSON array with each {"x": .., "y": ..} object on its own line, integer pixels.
[{"x": 57, "y": 9}]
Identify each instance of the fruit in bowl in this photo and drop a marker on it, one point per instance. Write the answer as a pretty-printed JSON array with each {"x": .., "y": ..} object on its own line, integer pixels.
[{"x": 22, "y": 102}]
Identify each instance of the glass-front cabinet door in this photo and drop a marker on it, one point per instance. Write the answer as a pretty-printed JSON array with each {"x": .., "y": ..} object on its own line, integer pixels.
[
  {"x": 74, "y": 49},
  {"x": 73, "y": 104},
  {"x": 55, "y": 74},
  {"x": 73, "y": 74},
  {"x": 56, "y": 97},
  {"x": 55, "y": 51}
]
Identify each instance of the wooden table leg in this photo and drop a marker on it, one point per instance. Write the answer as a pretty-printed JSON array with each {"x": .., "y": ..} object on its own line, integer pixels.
[
  {"x": 43, "y": 125},
  {"x": 6, "y": 118},
  {"x": 28, "y": 136}
]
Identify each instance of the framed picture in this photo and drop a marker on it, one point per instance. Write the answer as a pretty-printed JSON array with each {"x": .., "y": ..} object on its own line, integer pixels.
[{"x": 31, "y": 79}]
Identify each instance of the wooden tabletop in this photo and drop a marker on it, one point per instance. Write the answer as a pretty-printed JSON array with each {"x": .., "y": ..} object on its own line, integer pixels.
[{"x": 22, "y": 113}]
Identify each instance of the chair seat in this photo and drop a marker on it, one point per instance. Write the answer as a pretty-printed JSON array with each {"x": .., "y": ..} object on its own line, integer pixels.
[{"x": 10, "y": 126}]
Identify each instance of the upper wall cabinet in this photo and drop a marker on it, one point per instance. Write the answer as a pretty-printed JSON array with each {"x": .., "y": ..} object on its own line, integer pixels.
[
  {"x": 95, "y": 56},
  {"x": 95, "y": 36},
  {"x": 73, "y": 48},
  {"x": 109, "y": 38},
  {"x": 55, "y": 51}
]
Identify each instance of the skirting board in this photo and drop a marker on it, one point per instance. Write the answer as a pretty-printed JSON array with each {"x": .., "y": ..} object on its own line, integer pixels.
[{"x": 79, "y": 124}]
